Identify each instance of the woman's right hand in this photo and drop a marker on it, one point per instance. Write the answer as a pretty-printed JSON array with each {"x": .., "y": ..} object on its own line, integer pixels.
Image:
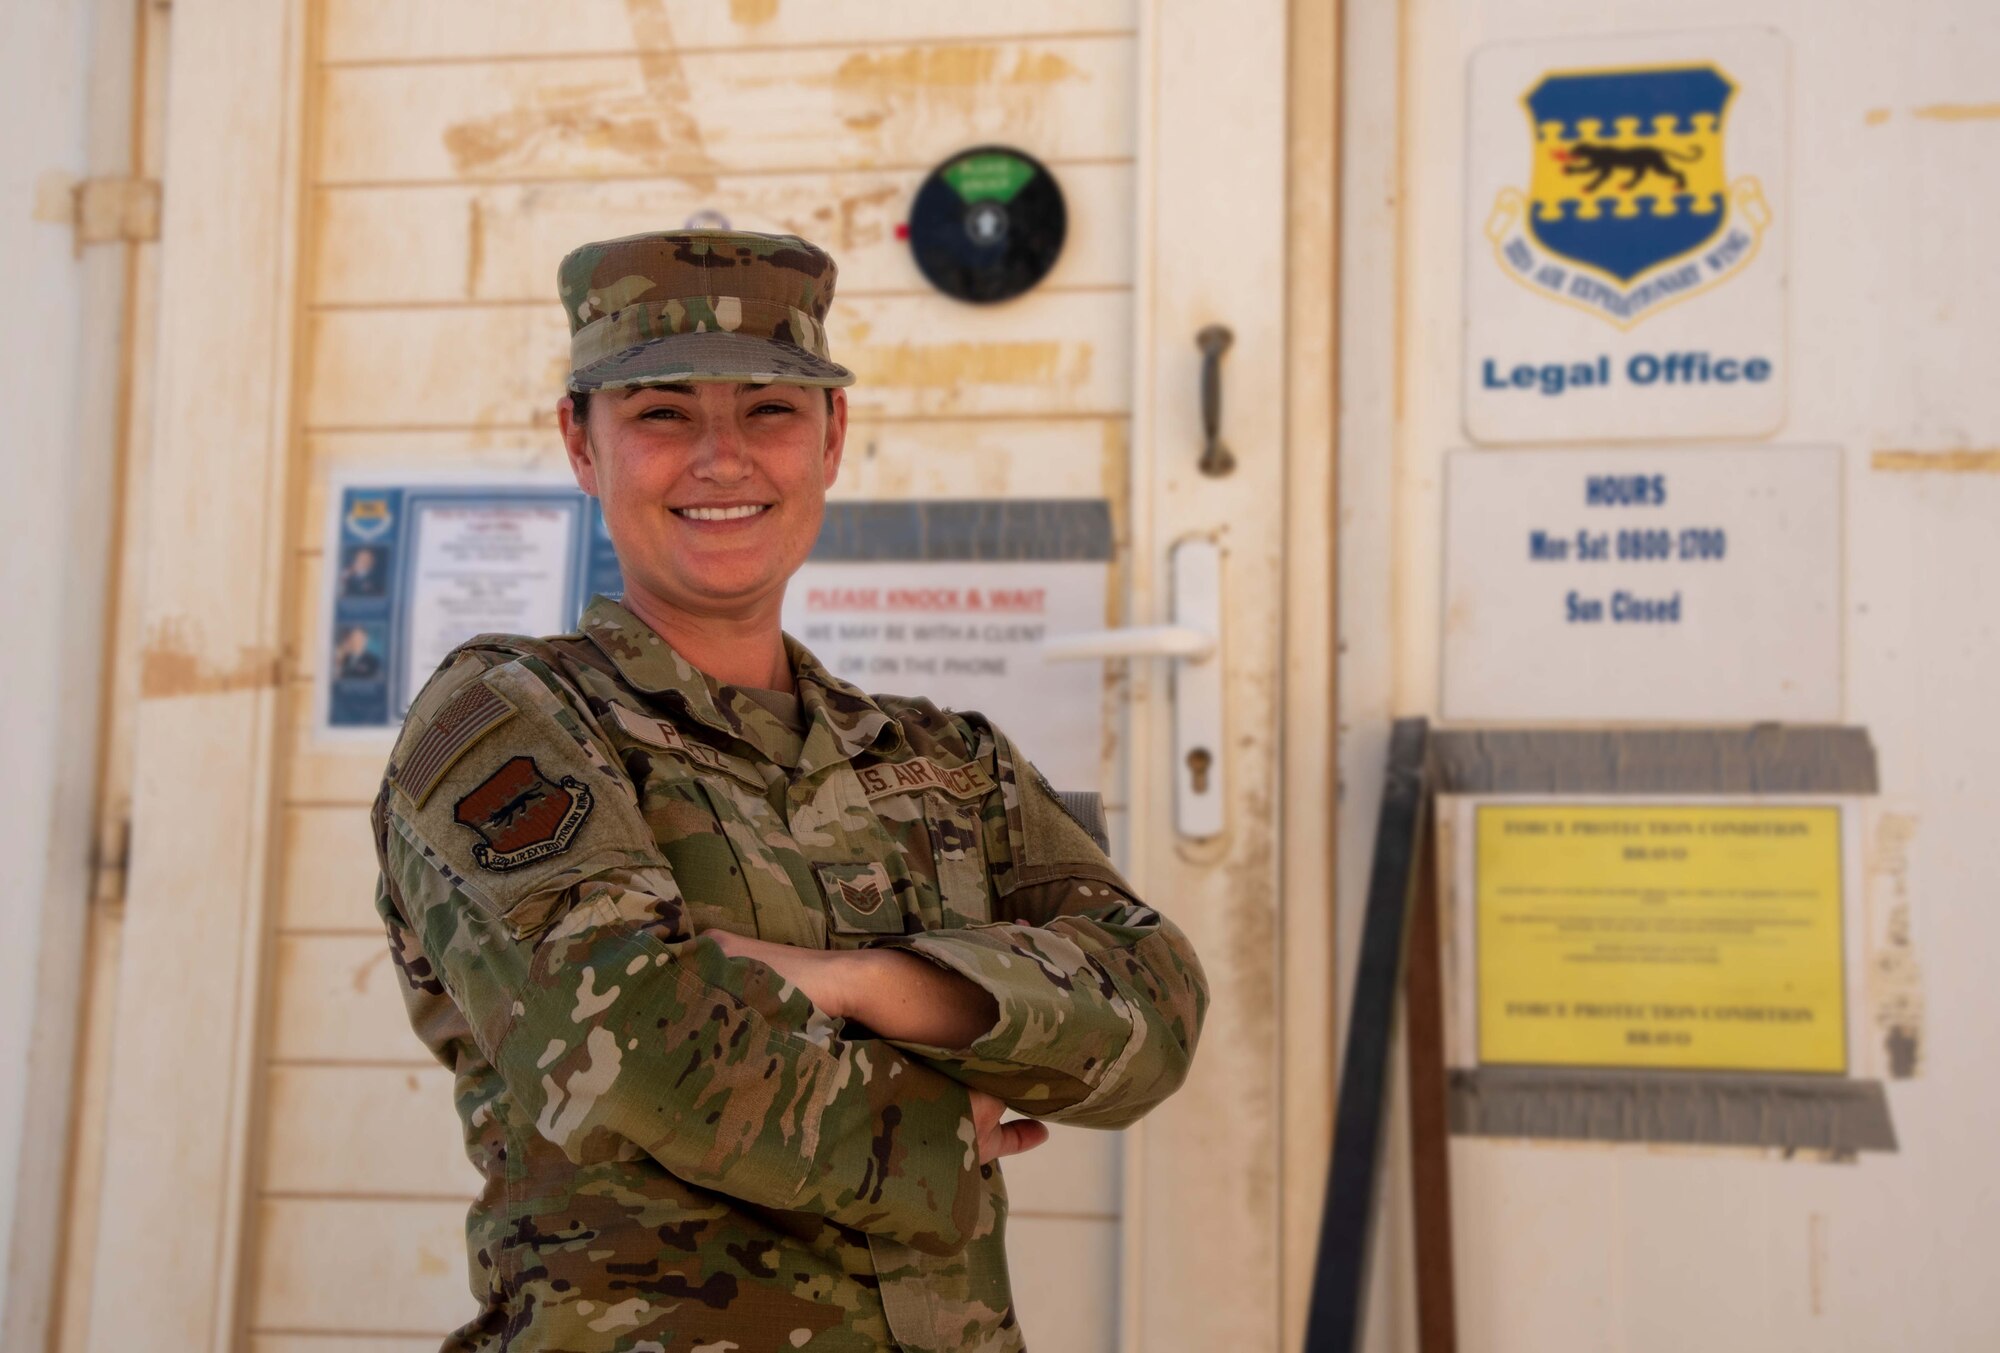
[{"x": 995, "y": 1138}]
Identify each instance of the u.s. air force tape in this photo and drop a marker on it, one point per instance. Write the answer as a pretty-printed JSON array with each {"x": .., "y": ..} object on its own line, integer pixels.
[{"x": 900, "y": 777}]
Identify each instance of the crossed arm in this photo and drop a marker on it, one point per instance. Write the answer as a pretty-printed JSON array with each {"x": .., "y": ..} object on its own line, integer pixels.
[
  {"x": 899, "y": 996},
  {"x": 614, "y": 1022}
]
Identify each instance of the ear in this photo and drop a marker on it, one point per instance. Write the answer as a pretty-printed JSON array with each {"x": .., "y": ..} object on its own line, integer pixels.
[
  {"x": 836, "y": 436},
  {"x": 576, "y": 441}
]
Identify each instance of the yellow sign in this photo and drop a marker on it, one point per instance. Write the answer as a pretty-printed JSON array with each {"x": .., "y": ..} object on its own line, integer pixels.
[{"x": 1661, "y": 936}]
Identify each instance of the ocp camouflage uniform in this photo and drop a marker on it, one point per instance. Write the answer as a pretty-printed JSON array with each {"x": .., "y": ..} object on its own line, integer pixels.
[{"x": 680, "y": 1151}]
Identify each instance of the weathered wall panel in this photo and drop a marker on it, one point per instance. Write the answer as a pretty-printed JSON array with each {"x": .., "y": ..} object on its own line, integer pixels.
[
  {"x": 710, "y": 113},
  {"x": 1575, "y": 1247},
  {"x": 1065, "y": 355},
  {"x": 411, "y": 245},
  {"x": 339, "y": 1343},
  {"x": 339, "y": 999},
  {"x": 365, "y": 1131},
  {"x": 328, "y": 882},
  {"x": 394, "y": 30}
]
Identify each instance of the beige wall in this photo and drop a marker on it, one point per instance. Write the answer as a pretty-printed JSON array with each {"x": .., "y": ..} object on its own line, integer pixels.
[
  {"x": 1894, "y": 152},
  {"x": 66, "y": 70}
]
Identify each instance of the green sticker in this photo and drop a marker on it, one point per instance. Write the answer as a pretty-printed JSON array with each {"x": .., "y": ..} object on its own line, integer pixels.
[{"x": 981, "y": 178}]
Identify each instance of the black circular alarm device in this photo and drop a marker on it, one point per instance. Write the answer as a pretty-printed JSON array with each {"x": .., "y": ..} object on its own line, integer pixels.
[{"x": 988, "y": 224}]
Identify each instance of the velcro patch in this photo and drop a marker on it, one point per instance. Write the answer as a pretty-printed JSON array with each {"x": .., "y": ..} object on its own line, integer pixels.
[
  {"x": 522, "y": 816},
  {"x": 465, "y": 719},
  {"x": 861, "y": 898},
  {"x": 901, "y": 777},
  {"x": 659, "y": 733},
  {"x": 649, "y": 730}
]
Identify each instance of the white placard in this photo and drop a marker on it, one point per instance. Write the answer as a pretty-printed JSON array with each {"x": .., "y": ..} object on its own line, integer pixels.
[
  {"x": 1626, "y": 223},
  {"x": 1589, "y": 585},
  {"x": 482, "y": 568},
  {"x": 968, "y": 635}
]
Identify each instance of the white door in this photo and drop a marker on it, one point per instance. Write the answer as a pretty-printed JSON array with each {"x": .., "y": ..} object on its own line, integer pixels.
[{"x": 365, "y": 195}]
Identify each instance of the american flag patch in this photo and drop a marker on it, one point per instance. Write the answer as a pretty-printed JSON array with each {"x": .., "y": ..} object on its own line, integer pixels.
[{"x": 466, "y": 718}]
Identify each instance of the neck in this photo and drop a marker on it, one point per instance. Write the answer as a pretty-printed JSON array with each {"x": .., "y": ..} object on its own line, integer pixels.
[{"x": 737, "y": 650}]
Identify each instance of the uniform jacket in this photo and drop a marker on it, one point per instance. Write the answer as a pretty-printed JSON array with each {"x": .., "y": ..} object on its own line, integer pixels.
[{"x": 680, "y": 1151}]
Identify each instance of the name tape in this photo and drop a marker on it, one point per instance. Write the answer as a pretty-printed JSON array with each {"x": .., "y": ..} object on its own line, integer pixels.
[{"x": 657, "y": 733}]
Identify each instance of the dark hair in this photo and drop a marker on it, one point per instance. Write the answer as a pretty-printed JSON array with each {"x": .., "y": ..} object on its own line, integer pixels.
[{"x": 579, "y": 402}]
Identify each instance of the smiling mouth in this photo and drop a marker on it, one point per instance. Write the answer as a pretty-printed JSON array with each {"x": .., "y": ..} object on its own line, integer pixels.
[{"x": 737, "y": 513}]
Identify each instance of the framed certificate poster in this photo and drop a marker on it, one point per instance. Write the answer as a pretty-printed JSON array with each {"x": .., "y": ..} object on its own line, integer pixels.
[{"x": 416, "y": 566}]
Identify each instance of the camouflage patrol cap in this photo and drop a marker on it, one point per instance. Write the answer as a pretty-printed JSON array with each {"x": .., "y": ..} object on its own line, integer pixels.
[{"x": 698, "y": 305}]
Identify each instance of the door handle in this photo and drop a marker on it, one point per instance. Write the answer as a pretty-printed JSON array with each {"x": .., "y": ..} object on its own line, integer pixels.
[
  {"x": 1214, "y": 340},
  {"x": 1192, "y": 642},
  {"x": 1134, "y": 641}
]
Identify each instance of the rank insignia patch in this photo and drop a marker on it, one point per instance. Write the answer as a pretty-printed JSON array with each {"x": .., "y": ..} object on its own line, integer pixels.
[
  {"x": 522, "y": 816},
  {"x": 861, "y": 898}
]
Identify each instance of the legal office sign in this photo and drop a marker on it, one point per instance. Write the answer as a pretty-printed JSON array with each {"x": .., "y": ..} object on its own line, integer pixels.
[{"x": 1625, "y": 264}]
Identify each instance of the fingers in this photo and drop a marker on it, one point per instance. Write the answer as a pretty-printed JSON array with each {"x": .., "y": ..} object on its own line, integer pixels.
[
  {"x": 997, "y": 1139},
  {"x": 1010, "y": 1138},
  {"x": 1022, "y": 1134},
  {"x": 986, "y": 1111}
]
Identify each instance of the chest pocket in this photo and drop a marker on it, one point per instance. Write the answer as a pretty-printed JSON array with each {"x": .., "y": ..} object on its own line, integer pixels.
[
  {"x": 946, "y": 800},
  {"x": 712, "y": 822},
  {"x": 958, "y": 844}
]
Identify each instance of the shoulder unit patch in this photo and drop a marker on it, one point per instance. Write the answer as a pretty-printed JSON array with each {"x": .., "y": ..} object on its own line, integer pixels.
[
  {"x": 522, "y": 816},
  {"x": 466, "y": 718}
]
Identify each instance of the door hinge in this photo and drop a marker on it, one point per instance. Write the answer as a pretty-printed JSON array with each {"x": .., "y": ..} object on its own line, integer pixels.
[
  {"x": 112, "y": 865},
  {"x": 111, "y": 210}
]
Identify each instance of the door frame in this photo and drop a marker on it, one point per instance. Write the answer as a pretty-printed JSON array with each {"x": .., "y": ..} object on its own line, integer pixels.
[
  {"x": 1309, "y": 764},
  {"x": 169, "y": 1242},
  {"x": 1222, "y": 1184}
]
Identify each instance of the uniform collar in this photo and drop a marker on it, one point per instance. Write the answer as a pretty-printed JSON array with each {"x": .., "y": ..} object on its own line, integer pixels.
[
  {"x": 649, "y": 662},
  {"x": 842, "y": 721}
]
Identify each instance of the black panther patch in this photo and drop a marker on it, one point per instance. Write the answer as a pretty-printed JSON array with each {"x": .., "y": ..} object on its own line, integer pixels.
[{"x": 522, "y": 816}]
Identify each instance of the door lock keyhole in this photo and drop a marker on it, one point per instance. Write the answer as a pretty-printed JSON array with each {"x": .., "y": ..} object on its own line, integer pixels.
[{"x": 1198, "y": 762}]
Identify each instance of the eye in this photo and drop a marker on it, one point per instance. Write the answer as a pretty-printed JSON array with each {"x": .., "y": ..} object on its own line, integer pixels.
[
  {"x": 661, "y": 413},
  {"x": 774, "y": 406}
]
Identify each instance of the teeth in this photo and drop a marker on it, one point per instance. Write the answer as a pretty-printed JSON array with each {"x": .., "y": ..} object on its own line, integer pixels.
[{"x": 720, "y": 513}]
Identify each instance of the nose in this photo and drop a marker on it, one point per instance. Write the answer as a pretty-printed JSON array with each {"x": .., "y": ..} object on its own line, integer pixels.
[{"x": 720, "y": 456}]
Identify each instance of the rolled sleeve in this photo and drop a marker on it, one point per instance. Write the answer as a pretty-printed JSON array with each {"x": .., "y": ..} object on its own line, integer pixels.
[{"x": 1100, "y": 997}]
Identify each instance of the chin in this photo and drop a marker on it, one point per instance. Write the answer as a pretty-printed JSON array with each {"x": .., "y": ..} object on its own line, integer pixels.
[{"x": 727, "y": 590}]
